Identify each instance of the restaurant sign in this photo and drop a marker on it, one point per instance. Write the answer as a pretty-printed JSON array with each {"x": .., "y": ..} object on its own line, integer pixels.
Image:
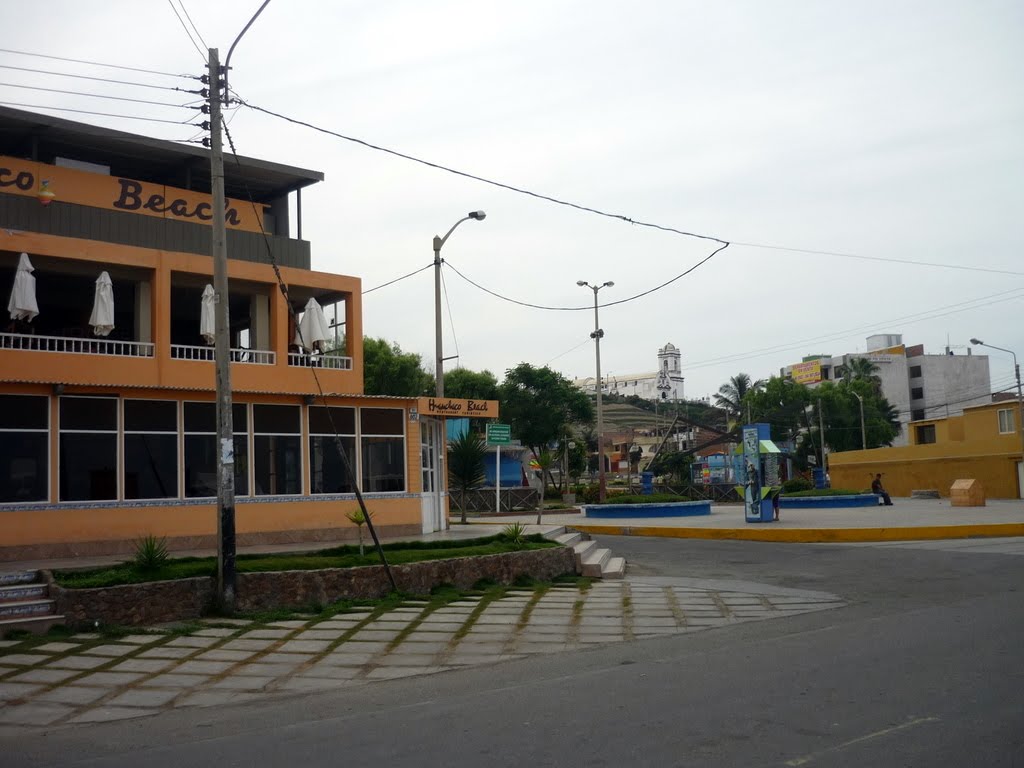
[{"x": 458, "y": 408}]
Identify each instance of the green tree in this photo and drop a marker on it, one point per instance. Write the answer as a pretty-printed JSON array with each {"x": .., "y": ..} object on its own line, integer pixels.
[
  {"x": 862, "y": 369},
  {"x": 731, "y": 395},
  {"x": 465, "y": 465},
  {"x": 540, "y": 404},
  {"x": 673, "y": 463},
  {"x": 545, "y": 460},
  {"x": 840, "y": 412},
  {"x": 780, "y": 403},
  {"x": 387, "y": 370},
  {"x": 471, "y": 385}
]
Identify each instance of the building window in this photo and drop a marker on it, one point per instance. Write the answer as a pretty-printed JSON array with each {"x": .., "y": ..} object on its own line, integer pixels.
[
  {"x": 917, "y": 393},
  {"x": 326, "y": 471},
  {"x": 925, "y": 434},
  {"x": 88, "y": 449},
  {"x": 150, "y": 449},
  {"x": 917, "y": 414},
  {"x": 277, "y": 450},
  {"x": 1006, "y": 422},
  {"x": 201, "y": 449},
  {"x": 915, "y": 371},
  {"x": 24, "y": 448},
  {"x": 383, "y": 449}
]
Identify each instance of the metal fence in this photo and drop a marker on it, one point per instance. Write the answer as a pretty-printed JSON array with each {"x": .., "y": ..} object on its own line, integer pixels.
[{"x": 482, "y": 500}]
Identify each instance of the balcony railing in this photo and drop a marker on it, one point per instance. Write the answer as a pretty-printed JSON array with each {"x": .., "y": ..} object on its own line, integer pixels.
[
  {"x": 76, "y": 346},
  {"x": 306, "y": 360},
  {"x": 238, "y": 355}
]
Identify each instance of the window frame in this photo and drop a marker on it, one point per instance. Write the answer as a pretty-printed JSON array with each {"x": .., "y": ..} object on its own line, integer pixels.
[
  {"x": 117, "y": 444},
  {"x": 124, "y": 432},
  {"x": 1012, "y": 419},
  {"x": 185, "y": 432},
  {"x": 49, "y": 445},
  {"x": 404, "y": 436},
  {"x": 355, "y": 458},
  {"x": 252, "y": 446}
]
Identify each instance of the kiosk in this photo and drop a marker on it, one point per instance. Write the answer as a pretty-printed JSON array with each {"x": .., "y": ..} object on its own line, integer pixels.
[{"x": 758, "y": 469}]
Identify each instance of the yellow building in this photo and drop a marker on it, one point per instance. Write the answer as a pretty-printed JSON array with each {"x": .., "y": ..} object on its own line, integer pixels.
[{"x": 983, "y": 443}]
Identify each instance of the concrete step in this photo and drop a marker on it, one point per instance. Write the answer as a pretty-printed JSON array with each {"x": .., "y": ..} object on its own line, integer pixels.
[
  {"x": 580, "y": 550},
  {"x": 26, "y": 609},
  {"x": 569, "y": 539},
  {"x": 37, "y": 625},
  {"x": 615, "y": 568},
  {"x": 17, "y": 593},
  {"x": 8, "y": 578},
  {"x": 594, "y": 562}
]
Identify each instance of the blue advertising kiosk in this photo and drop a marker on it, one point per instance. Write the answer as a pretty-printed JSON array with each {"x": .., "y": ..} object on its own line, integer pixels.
[{"x": 758, "y": 469}]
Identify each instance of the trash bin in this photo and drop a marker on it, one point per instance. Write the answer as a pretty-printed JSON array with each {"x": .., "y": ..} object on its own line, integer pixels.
[
  {"x": 646, "y": 483},
  {"x": 819, "y": 477}
]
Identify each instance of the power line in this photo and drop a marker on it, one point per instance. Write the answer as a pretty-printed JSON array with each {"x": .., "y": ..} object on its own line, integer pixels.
[
  {"x": 589, "y": 307},
  {"x": 90, "y": 112},
  {"x": 96, "y": 79},
  {"x": 620, "y": 217},
  {"x": 99, "y": 64},
  {"x": 451, "y": 320},
  {"x": 191, "y": 23},
  {"x": 181, "y": 21},
  {"x": 91, "y": 95},
  {"x": 403, "y": 277},
  {"x": 572, "y": 349}
]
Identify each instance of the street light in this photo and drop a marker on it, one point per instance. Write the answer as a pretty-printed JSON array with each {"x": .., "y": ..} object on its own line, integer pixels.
[
  {"x": 1020, "y": 397},
  {"x": 863, "y": 434},
  {"x": 596, "y": 336},
  {"x": 438, "y": 344}
]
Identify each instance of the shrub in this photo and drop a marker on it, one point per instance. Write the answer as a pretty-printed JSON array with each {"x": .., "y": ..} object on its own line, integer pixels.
[
  {"x": 589, "y": 493},
  {"x": 150, "y": 553},
  {"x": 796, "y": 484},
  {"x": 515, "y": 534}
]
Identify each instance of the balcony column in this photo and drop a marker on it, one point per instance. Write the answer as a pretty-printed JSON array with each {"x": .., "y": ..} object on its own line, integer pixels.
[
  {"x": 278, "y": 326},
  {"x": 160, "y": 314},
  {"x": 354, "y": 334},
  {"x": 259, "y": 321}
]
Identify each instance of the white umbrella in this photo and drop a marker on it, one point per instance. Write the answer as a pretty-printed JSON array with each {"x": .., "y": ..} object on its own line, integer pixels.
[
  {"x": 207, "y": 321},
  {"x": 312, "y": 332},
  {"x": 22, "y": 304},
  {"x": 102, "y": 317}
]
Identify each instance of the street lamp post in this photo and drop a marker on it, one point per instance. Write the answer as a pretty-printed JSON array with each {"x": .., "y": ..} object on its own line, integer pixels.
[
  {"x": 596, "y": 336},
  {"x": 1020, "y": 396},
  {"x": 438, "y": 343},
  {"x": 863, "y": 434}
]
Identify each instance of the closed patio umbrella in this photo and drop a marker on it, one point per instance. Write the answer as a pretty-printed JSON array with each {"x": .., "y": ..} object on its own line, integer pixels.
[
  {"x": 22, "y": 304},
  {"x": 102, "y": 317},
  {"x": 312, "y": 332},
  {"x": 207, "y": 321}
]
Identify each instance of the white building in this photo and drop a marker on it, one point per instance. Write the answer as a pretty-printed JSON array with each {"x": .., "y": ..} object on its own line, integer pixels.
[
  {"x": 665, "y": 383},
  {"x": 919, "y": 386}
]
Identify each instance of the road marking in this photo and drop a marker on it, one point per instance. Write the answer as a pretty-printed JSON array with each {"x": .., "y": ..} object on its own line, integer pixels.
[{"x": 860, "y": 739}]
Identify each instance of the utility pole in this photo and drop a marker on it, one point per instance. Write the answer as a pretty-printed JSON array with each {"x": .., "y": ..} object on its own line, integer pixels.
[
  {"x": 863, "y": 433},
  {"x": 821, "y": 435},
  {"x": 222, "y": 356}
]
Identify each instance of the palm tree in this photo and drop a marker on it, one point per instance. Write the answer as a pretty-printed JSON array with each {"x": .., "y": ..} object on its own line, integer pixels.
[
  {"x": 862, "y": 369},
  {"x": 466, "y": 465},
  {"x": 730, "y": 395}
]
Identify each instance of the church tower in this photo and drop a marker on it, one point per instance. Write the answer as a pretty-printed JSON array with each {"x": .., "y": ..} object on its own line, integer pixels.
[{"x": 670, "y": 373}]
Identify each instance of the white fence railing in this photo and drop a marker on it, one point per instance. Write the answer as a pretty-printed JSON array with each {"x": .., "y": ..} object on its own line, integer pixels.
[
  {"x": 77, "y": 346},
  {"x": 306, "y": 360},
  {"x": 238, "y": 355}
]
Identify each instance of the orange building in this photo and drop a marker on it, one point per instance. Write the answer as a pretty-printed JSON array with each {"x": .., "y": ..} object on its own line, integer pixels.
[{"x": 107, "y": 438}]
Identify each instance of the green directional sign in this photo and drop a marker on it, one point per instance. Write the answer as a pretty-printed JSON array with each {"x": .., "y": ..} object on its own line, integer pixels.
[{"x": 499, "y": 434}]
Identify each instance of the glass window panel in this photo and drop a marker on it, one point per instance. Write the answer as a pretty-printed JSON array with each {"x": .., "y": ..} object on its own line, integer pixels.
[
  {"x": 150, "y": 466},
  {"x": 201, "y": 465},
  {"x": 24, "y": 466},
  {"x": 320, "y": 422},
  {"x": 326, "y": 471},
  {"x": 276, "y": 419},
  {"x": 382, "y": 421},
  {"x": 24, "y": 412},
  {"x": 276, "y": 465},
  {"x": 150, "y": 416},
  {"x": 383, "y": 464},
  {"x": 91, "y": 413},
  {"x": 88, "y": 467},
  {"x": 202, "y": 417}
]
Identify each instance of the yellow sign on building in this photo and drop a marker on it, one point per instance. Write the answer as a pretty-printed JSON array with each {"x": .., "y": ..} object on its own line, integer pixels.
[{"x": 807, "y": 373}]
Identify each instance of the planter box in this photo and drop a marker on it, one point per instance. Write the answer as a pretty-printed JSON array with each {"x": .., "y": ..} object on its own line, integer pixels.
[
  {"x": 665, "y": 509},
  {"x": 828, "y": 502}
]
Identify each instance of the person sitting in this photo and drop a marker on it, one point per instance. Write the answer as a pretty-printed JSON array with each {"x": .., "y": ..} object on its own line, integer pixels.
[{"x": 878, "y": 490}]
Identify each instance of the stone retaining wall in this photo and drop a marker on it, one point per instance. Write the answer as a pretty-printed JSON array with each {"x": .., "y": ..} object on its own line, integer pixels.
[{"x": 165, "y": 601}]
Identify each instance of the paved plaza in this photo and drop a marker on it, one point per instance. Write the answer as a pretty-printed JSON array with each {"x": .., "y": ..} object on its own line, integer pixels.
[{"x": 90, "y": 678}]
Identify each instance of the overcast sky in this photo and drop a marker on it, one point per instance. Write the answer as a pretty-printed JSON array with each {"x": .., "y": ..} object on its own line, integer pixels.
[{"x": 890, "y": 130}]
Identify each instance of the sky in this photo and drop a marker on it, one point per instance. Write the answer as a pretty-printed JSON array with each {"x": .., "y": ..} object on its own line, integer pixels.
[{"x": 887, "y": 131}]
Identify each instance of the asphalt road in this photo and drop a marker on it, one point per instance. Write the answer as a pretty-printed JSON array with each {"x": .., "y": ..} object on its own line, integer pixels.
[{"x": 921, "y": 667}]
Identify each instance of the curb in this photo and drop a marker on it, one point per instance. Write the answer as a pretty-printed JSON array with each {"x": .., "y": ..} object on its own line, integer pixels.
[{"x": 812, "y": 535}]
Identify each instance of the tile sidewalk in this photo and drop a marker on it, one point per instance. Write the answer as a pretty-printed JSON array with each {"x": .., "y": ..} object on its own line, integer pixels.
[{"x": 91, "y": 679}]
